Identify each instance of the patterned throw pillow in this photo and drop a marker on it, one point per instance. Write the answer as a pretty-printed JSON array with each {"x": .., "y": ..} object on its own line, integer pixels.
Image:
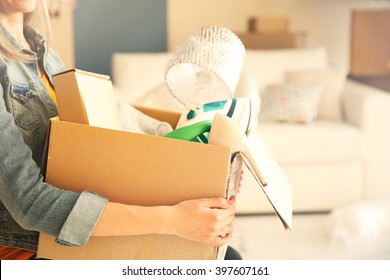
[
  {"x": 333, "y": 81},
  {"x": 291, "y": 102}
]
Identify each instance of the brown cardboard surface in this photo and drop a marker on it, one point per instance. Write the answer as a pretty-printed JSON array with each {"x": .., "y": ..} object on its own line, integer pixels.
[
  {"x": 268, "y": 24},
  {"x": 370, "y": 39},
  {"x": 167, "y": 116},
  {"x": 134, "y": 168},
  {"x": 145, "y": 247},
  {"x": 273, "y": 40}
]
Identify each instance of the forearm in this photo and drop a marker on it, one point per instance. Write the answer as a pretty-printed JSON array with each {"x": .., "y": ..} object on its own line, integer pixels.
[
  {"x": 120, "y": 219},
  {"x": 208, "y": 220}
]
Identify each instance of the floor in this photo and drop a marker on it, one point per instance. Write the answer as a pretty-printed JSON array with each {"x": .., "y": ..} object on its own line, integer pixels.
[{"x": 263, "y": 237}]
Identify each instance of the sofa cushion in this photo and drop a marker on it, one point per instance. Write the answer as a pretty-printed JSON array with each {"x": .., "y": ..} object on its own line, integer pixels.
[
  {"x": 333, "y": 81},
  {"x": 269, "y": 66},
  {"x": 291, "y": 102},
  {"x": 319, "y": 142}
]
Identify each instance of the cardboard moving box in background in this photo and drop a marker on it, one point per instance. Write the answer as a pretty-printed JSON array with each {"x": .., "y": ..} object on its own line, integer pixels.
[
  {"x": 268, "y": 24},
  {"x": 273, "y": 40}
]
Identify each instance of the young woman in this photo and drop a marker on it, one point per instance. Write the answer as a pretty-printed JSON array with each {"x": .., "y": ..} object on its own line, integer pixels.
[{"x": 28, "y": 205}]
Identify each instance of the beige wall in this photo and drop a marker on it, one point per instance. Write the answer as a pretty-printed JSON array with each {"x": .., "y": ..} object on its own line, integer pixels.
[
  {"x": 327, "y": 22},
  {"x": 63, "y": 39}
]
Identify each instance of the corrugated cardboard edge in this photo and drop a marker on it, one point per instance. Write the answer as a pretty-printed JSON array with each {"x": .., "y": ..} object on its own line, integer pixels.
[{"x": 46, "y": 148}]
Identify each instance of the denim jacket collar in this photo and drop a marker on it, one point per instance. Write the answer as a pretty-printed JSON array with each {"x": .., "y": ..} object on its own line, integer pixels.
[{"x": 36, "y": 40}]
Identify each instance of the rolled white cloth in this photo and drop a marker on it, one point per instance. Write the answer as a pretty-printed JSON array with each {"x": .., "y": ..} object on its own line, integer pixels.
[{"x": 135, "y": 121}]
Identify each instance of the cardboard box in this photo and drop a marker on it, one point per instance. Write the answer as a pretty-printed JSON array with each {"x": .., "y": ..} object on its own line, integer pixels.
[
  {"x": 370, "y": 54},
  {"x": 82, "y": 98},
  {"x": 268, "y": 24},
  {"x": 129, "y": 168},
  {"x": 273, "y": 40}
]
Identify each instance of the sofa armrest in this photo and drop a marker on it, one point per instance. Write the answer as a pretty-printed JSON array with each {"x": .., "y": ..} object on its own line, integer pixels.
[{"x": 368, "y": 108}]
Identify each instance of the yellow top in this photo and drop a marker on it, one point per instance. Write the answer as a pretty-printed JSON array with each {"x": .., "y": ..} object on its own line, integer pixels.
[{"x": 49, "y": 87}]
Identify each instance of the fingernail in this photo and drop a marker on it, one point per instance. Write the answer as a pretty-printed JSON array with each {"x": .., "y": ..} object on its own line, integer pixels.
[{"x": 232, "y": 200}]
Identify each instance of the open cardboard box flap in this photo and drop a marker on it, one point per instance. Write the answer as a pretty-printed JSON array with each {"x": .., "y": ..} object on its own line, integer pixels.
[{"x": 129, "y": 168}]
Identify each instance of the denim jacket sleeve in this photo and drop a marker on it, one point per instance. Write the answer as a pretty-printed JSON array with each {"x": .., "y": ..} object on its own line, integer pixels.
[{"x": 34, "y": 204}]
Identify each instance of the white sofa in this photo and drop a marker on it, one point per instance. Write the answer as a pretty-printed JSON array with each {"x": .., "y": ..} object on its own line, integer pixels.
[{"x": 341, "y": 157}]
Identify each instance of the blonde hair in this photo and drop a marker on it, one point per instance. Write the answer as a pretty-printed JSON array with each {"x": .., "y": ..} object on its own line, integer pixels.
[{"x": 39, "y": 18}]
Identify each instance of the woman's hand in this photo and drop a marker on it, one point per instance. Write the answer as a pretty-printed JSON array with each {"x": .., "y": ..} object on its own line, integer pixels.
[{"x": 208, "y": 220}]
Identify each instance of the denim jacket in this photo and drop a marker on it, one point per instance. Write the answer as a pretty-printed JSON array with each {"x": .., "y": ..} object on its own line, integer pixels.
[{"x": 28, "y": 205}]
